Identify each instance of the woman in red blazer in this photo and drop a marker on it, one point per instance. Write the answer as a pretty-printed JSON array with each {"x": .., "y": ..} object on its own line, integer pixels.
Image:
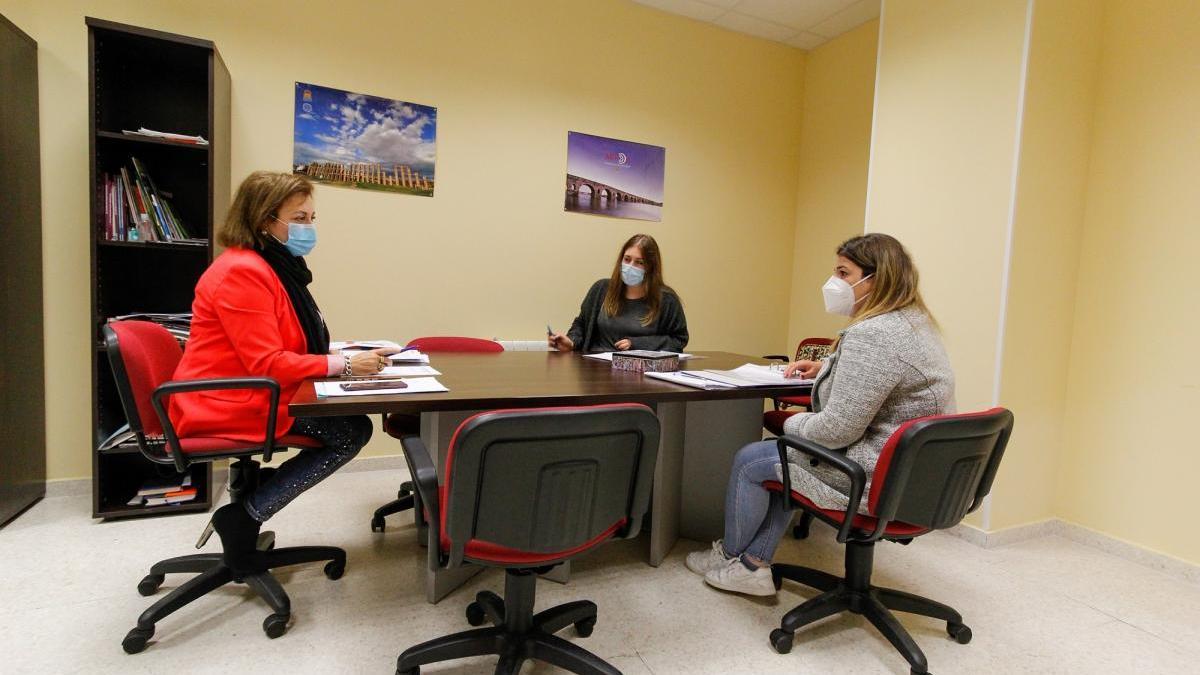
[{"x": 253, "y": 316}]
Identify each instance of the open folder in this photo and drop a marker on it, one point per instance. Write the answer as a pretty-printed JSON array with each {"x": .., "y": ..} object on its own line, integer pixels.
[
  {"x": 416, "y": 385},
  {"x": 742, "y": 377}
]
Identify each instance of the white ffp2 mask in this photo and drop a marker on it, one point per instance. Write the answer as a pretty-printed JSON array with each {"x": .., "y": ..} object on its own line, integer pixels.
[{"x": 839, "y": 295}]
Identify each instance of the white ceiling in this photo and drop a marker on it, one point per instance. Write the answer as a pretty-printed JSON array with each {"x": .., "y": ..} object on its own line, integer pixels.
[{"x": 803, "y": 24}]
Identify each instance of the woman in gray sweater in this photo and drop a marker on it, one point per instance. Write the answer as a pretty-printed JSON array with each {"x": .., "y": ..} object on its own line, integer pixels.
[
  {"x": 889, "y": 366},
  {"x": 632, "y": 309}
]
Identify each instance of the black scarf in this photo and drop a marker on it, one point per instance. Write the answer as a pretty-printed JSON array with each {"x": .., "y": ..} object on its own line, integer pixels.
[{"x": 295, "y": 276}]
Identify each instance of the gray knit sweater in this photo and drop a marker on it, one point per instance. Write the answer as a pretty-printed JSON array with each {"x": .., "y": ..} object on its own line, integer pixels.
[{"x": 885, "y": 371}]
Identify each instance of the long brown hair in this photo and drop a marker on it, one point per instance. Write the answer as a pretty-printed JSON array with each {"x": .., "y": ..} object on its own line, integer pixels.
[
  {"x": 257, "y": 199},
  {"x": 895, "y": 284},
  {"x": 615, "y": 296}
]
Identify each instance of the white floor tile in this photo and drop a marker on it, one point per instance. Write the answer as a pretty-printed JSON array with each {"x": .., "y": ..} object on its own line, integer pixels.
[{"x": 1041, "y": 606}]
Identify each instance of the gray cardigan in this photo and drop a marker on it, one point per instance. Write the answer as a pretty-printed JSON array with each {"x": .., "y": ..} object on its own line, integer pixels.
[
  {"x": 885, "y": 371},
  {"x": 669, "y": 330}
]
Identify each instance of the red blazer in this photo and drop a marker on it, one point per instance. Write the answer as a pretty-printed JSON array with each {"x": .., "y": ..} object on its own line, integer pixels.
[{"x": 243, "y": 324}]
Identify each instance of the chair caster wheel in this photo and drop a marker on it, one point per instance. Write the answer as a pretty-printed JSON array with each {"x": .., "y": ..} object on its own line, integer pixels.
[
  {"x": 781, "y": 640},
  {"x": 275, "y": 625},
  {"x": 475, "y": 614},
  {"x": 149, "y": 585},
  {"x": 800, "y": 531},
  {"x": 584, "y": 628},
  {"x": 378, "y": 524},
  {"x": 135, "y": 640},
  {"x": 960, "y": 632},
  {"x": 334, "y": 570}
]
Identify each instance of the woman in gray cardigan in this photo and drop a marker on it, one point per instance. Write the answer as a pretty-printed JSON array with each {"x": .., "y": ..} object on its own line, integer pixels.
[
  {"x": 632, "y": 309},
  {"x": 889, "y": 366}
]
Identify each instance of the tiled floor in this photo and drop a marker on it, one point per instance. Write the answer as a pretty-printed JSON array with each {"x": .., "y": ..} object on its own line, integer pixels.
[{"x": 1043, "y": 606}]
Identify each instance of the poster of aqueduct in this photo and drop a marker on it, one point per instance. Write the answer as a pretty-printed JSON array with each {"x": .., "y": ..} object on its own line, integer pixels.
[
  {"x": 615, "y": 178},
  {"x": 363, "y": 141}
]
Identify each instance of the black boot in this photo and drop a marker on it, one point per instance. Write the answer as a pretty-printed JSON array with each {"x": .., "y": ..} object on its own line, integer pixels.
[{"x": 239, "y": 538}]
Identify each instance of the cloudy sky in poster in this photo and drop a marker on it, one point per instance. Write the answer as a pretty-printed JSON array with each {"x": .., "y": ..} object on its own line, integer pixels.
[{"x": 339, "y": 126}]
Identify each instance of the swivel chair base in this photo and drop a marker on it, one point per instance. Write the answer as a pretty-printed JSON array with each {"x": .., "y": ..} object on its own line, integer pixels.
[
  {"x": 404, "y": 501},
  {"x": 856, "y": 594},
  {"x": 214, "y": 573},
  {"x": 517, "y": 634}
]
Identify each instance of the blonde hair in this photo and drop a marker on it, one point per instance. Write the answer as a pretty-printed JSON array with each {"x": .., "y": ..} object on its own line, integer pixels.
[
  {"x": 615, "y": 295},
  {"x": 258, "y": 198},
  {"x": 895, "y": 281}
]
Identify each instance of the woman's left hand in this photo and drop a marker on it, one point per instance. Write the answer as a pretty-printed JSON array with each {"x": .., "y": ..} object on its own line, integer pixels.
[{"x": 624, "y": 345}]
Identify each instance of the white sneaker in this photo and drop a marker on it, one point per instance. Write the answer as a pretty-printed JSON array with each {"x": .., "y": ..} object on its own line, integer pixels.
[
  {"x": 701, "y": 562},
  {"x": 734, "y": 576}
]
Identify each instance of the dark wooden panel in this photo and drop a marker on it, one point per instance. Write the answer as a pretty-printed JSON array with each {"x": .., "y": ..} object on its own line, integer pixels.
[
  {"x": 527, "y": 379},
  {"x": 22, "y": 378}
]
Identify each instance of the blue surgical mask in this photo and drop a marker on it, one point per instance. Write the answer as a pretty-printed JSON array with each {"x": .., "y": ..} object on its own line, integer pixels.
[
  {"x": 302, "y": 238},
  {"x": 632, "y": 276}
]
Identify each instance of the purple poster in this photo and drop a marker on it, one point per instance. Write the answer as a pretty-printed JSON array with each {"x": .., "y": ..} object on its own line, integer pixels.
[{"x": 614, "y": 178}]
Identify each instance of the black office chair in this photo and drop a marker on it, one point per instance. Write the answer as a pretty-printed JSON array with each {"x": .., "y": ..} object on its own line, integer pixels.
[
  {"x": 932, "y": 472},
  {"x": 143, "y": 357},
  {"x": 526, "y": 490}
]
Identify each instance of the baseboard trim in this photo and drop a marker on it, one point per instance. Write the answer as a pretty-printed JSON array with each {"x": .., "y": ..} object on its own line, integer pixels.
[
  {"x": 68, "y": 487},
  {"x": 1163, "y": 562}
]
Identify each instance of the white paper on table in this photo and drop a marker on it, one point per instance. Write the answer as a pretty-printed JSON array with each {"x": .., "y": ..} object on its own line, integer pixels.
[
  {"x": 607, "y": 356},
  {"x": 753, "y": 375},
  {"x": 690, "y": 378},
  {"x": 409, "y": 371},
  {"x": 418, "y": 385},
  {"x": 410, "y": 356},
  {"x": 365, "y": 344}
]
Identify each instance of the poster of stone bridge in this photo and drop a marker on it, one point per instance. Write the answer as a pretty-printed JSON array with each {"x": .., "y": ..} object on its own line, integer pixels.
[
  {"x": 615, "y": 178},
  {"x": 365, "y": 142}
]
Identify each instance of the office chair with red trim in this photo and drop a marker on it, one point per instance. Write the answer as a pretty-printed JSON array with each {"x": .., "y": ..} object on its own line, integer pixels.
[
  {"x": 932, "y": 472},
  {"x": 143, "y": 357},
  {"x": 813, "y": 349},
  {"x": 526, "y": 490},
  {"x": 399, "y": 425}
]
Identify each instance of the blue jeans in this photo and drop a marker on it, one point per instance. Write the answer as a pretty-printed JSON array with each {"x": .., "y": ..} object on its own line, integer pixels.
[
  {"x": 755, "y": 519},
  {"x": 342, "y": 438}
]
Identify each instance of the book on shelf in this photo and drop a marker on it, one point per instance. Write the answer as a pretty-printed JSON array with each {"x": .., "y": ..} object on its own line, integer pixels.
[
  {"x": 167, "y": 136},
  {"x": 135, "y": 209},
  {"x": 164, "y": 490}
]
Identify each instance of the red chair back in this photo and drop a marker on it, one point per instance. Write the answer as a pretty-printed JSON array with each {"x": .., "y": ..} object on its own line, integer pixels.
[
  {"x": 448, "y": 343},
  {"x": 541, "y": 485},
  {"x": 143, "y": 356},
  {"x": 935, "y": 470}
]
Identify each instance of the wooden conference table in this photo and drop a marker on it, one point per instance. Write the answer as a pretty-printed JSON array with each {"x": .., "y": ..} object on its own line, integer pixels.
[{"x": 701, "y": 429}]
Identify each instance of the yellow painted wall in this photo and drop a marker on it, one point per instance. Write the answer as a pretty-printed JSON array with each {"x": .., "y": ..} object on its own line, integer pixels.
[
  {"x": 941, "y": 170},
  {"x": 942, "y": 158},
  {"x": 1134, "y": 385},
  {"x": 835, "y": 144},
  {"x": 493, "y": 254},
  {"x": 1055, "y": 146}
]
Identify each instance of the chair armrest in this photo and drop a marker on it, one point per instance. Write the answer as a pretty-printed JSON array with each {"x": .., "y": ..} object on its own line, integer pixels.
[
  {"x": 836, "y": 459},
  {"x": 424, "y": 476},
  {"x": 777, "y": 357},
  {"x": 173, "y": 387}
]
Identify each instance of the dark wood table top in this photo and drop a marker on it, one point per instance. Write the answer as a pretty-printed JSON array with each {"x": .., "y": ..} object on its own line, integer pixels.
[{"x": 528, "y": 379}]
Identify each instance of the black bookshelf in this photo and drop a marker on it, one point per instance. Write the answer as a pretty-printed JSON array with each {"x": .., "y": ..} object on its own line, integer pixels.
[{"x": 146, "y": 78}]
